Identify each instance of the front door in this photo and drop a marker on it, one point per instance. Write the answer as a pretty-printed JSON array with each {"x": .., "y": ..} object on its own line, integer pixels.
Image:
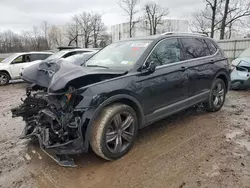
[
  {"x": 17, "y": 65},
  {"x": 168, "y": 84}
]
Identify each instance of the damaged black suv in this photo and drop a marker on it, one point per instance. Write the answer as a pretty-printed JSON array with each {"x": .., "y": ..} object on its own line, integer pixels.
[{"x": 124, "y": 87}]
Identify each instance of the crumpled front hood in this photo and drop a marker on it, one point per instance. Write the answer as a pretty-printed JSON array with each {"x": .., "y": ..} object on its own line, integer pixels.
[
  {"x": 56, "y": 75},
  {"x": 237, "y": 60}
]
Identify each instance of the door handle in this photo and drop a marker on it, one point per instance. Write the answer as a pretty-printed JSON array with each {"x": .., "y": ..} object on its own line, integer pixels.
[
  {"x": 212, "y": 61},
  {"x": 183, "y": 68}
]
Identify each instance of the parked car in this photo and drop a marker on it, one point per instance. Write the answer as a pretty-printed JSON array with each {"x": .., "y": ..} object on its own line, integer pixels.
[
  {"x": 124, "y": 87},
  {"x": 70, "y": 52},
  {"x": 240, "y": 71},
  {"x": 11, "y": 66},
  {"x": 62, "y": 54}
]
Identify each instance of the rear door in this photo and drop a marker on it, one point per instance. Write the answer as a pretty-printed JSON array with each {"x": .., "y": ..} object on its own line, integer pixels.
[
  {"x": 200, "y": 65},
  {"x": 33, "y": 59},
  {"x": 168, "y": 84}
]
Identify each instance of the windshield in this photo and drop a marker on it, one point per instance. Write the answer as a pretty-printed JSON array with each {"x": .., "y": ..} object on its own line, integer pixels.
[
  {"x": 9, "y": 58},
  {"x": 57, "y": 55},
  {"x": 245, "y": 53},
  {"x": 119, "y": 55}
]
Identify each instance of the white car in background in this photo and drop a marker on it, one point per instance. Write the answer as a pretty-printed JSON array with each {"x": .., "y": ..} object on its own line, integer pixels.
[
  {"x": 11, "y": 66},
  {"x": 64, "y": 54},
  {"x": 240, "y": 71}
]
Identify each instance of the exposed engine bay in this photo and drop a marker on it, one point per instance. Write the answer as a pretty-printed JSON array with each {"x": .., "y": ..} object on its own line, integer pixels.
[
  {"x": 53, "y": 120},
  {"x": 51, "y": 112}
]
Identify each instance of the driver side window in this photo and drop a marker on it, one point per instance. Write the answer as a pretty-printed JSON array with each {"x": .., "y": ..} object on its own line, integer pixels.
[
  {"x": 21, "y": 59},
  {"x": 166, "y": 52}
]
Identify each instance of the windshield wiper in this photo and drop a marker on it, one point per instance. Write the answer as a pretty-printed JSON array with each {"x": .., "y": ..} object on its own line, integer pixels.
[{"x": 97, "y": 66}]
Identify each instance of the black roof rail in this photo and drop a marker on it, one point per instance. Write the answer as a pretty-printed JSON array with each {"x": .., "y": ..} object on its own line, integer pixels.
[
  {"x": 184, "y": 33},
  {"x": 67, "y": 47}
]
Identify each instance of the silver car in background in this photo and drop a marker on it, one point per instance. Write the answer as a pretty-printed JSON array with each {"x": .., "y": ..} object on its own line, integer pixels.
[{"x": 240, "y": 71}]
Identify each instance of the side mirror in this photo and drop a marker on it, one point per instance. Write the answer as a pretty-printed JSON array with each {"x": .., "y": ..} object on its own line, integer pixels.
[{"x": 150, "y": 67}]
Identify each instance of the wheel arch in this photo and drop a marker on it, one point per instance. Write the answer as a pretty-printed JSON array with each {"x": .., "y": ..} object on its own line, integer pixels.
[
  {"x": 5, "y": 71},
  {"x": 224, "y": 76},
  {"x": 120, "y": 98}
]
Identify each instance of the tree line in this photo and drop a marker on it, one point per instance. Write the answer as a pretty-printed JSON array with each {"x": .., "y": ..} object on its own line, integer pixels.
[
  {"x": 85, "y": 28},
  {"x": 88, "y": 29}
]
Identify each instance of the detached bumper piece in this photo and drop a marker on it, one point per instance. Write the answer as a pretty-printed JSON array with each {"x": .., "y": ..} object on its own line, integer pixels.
[
  {"x": 57, "y": 130},
  {"x": 240, "y": 84},
  {"x": 62, "y": 160}
]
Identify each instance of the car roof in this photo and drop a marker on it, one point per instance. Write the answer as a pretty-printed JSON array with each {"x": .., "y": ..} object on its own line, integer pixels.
[
  {"x": 23, "y": 53},
  {"x": 166, "y": 35}
]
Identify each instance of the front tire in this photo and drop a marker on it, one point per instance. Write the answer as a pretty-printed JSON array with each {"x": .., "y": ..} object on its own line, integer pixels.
[
  {"x": 114, "y": 131},
  {"x": 216, "y": 97},
  {"x": 4, "y": 78}
]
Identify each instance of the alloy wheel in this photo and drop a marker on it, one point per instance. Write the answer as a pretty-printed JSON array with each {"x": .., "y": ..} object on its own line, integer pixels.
[
  {"x": 3, "y": 79},
  {"x": 120, "y": 132},
  {"x": 218, "y": 95}
]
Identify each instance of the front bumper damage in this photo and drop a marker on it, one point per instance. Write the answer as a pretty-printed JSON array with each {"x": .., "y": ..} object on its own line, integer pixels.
[{"x": 56, "y": 124}]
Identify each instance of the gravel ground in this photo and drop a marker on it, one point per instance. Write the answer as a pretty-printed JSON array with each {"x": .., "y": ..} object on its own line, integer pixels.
[{"x": 190, "y": 149}]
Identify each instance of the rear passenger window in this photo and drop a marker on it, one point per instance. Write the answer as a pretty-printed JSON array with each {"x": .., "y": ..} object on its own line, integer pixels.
[
  {"x": 195, "y": 48},
  {"x": 211, "y": 47},
  {"x": 166, "y": 52},
  {"x": 35, "y": 57}
]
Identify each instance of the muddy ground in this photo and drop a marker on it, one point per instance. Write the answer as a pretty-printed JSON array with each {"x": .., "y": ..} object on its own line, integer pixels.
[{"x": 190, "y": 149}]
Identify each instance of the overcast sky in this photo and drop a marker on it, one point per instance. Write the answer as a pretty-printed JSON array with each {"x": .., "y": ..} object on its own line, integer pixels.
[{"x": 19, "y": 15}]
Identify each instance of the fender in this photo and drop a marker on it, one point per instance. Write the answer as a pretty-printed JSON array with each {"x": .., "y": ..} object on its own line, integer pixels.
[
  {"x": 92, "y": 113},
  {"x": 7, "y": 72},
  {"x": 223, "y": 73}
]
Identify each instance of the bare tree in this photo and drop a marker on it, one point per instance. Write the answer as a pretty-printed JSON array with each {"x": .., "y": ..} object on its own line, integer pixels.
[
  {"x": 105, "y": 39},
  {"x": 129, "y": 7},
  {"x": 170, "y": 26},
  {"x": 72, "y": 32},
  {"x": 45, "y": 28},
  {"x": 85, "y": 21},
  {"x": 234, "y": 10},
  {"x": 55, "y": 35},
  {"x": 34, "y": 37},
  {"x": 224, "y": 19},
  {"x": 98, "y": 28},
  {"x": 223, "y": 15},
  {"x": 201, "y": 23},
  {"x": 154, "y": 15},
  {"x": 213, "y": 5}
]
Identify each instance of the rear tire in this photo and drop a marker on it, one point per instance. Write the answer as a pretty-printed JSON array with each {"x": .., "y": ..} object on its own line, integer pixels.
[
  {"x": 216, "y": 97},
  {"x": 114, "y": 131},
  {"x": 4, "y": 78}
]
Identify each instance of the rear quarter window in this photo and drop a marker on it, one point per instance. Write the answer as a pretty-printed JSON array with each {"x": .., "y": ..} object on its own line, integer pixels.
[
  {"x": 194, "y": 48},
  {"x": 212, "y": 48},
  {"x": 69, "y": 54}
]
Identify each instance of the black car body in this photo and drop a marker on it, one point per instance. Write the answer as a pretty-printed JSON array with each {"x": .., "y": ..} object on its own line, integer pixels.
[{"x": 171, "y": 73}]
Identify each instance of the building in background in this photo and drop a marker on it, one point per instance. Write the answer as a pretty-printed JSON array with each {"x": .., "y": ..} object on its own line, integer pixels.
[{"x": 121, "y": 31}]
